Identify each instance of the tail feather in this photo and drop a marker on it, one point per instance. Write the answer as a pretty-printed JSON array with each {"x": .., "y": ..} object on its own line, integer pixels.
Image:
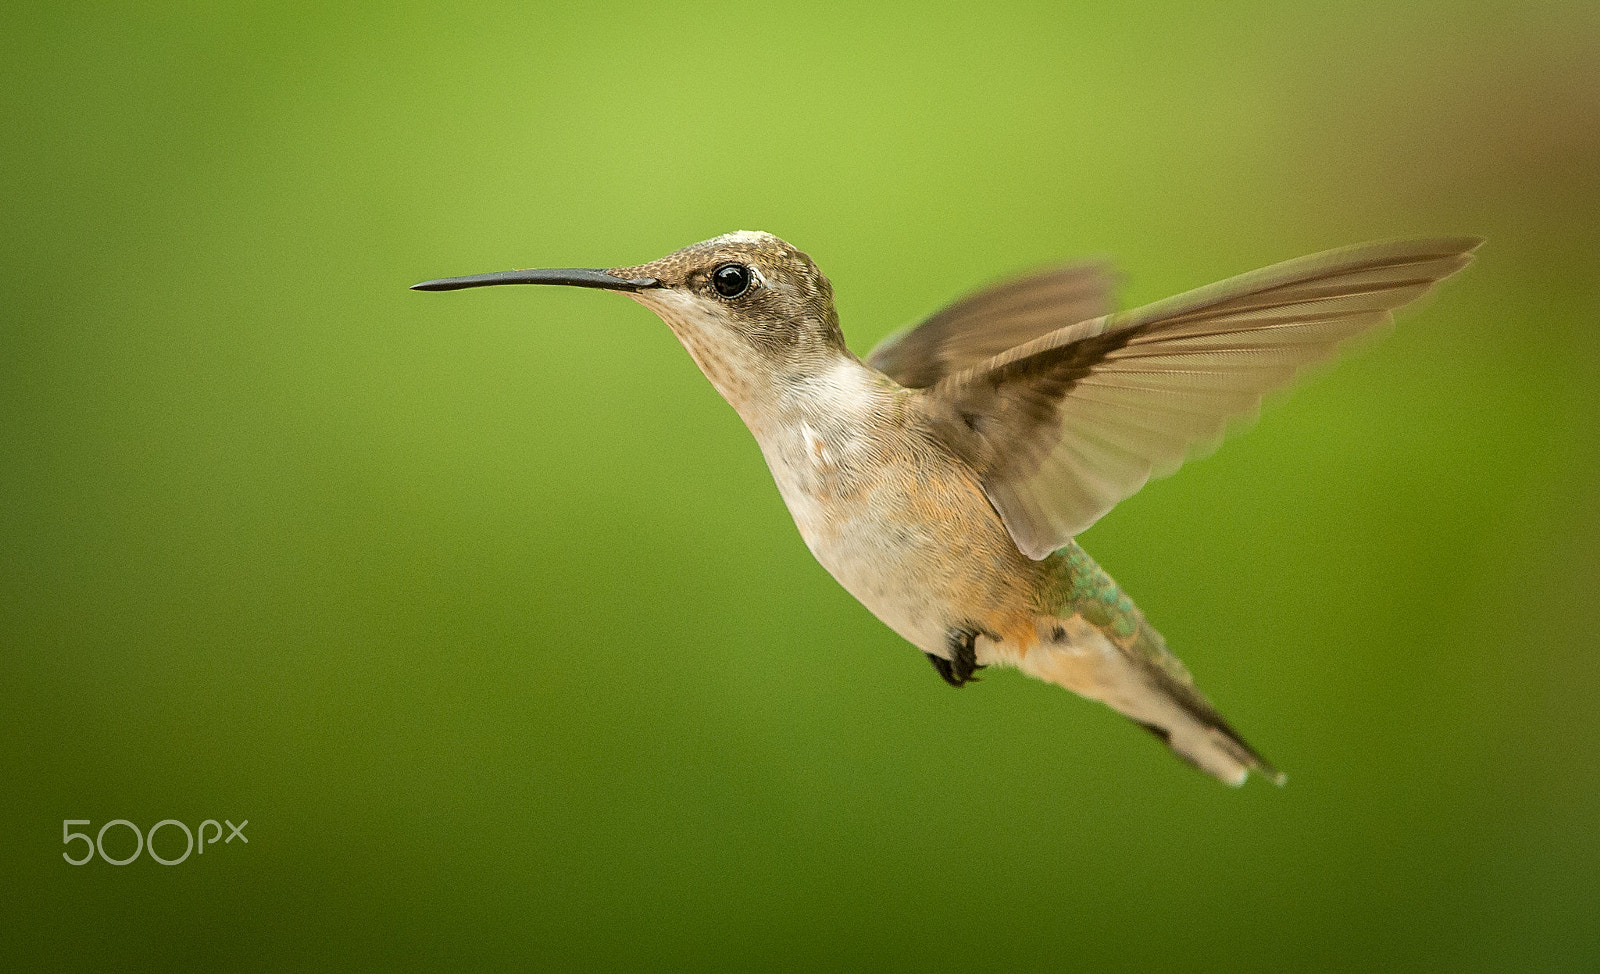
[
  {"x": 1199, "y": 734},
  {"x": 1144, "y": 681},
  {"x": 1217, "y": 749}
]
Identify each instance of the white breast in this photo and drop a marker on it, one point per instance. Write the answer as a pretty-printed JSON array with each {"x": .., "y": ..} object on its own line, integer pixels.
[{"x": 843, "y": 478}]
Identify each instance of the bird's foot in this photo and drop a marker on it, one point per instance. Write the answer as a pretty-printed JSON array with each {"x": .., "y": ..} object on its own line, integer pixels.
[{"x": 958, "y": 670}]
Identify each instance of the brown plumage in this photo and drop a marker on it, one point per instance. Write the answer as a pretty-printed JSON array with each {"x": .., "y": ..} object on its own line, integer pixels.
[
  {"x": 1064, "y": 426},
  {"x": 942, "y": 481}
]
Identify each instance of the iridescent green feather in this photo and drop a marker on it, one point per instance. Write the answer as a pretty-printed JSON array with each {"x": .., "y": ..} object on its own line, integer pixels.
[{"x": 1083, "y": 588}]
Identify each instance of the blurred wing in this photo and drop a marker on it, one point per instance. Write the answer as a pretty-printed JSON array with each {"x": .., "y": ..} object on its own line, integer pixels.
[
  {"x": 988, "y": 322},
  {"x": 1064, "y": 427}
]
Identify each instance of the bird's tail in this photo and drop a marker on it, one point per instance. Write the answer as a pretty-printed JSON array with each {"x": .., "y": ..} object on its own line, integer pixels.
[{"x": 1141, "y": 679}]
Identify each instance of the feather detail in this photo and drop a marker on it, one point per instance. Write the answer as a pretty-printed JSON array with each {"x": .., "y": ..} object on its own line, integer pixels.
[
  {"x": 981, "y": 325},
  {"x": 1067, "y": 424}
]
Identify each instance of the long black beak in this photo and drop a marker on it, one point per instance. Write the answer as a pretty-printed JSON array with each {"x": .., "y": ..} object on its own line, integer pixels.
[{"x": 573, "y": 276}]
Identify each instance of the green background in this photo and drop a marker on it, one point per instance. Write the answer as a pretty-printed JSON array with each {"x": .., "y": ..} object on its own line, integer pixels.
[{"x": 483, "y": 610}]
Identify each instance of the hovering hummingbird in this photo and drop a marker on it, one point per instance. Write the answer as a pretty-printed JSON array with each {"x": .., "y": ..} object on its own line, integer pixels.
[{"x": 943, "y": 479}]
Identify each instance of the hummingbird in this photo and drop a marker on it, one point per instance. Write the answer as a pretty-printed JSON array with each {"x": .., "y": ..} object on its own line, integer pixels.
[{"x": 943, "y": 479}]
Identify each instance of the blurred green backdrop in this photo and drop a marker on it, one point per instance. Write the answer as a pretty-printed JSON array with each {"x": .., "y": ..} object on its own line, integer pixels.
[{"x": 483, "y": 610}]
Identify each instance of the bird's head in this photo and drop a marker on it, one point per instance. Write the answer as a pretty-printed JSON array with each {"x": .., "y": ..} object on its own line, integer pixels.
[{"x": 747, "y": 305}]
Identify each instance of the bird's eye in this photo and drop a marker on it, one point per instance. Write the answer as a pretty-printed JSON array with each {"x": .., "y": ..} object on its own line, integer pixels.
[{"x": 731, "y": 280}]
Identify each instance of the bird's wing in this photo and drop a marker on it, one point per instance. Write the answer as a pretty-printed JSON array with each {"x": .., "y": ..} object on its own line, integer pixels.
[
  {"x": 986, "y": 323},
  {"x": 1062, "y": 428}
]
